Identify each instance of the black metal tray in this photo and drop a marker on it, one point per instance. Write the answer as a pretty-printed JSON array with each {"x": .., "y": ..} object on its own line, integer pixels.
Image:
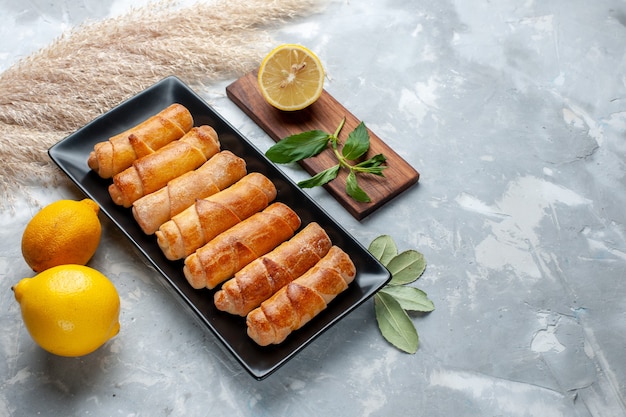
[{"x": 71, "y": 155}]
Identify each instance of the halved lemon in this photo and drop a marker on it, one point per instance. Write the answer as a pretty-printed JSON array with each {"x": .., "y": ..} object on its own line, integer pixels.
[{"x": 291, "y": 77}]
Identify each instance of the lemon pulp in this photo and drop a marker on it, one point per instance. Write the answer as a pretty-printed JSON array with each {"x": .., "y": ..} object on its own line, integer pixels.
[{"x": 291, "y": 77}]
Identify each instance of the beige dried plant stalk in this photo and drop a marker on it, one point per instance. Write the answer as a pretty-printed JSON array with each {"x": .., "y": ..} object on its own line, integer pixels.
[{"x": 95, "y": 66}]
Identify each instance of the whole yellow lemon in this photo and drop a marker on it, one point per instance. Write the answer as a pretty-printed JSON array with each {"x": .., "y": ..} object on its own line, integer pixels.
[
  {"x": 63, "y": 232},
  {"x": 69, "y": 310}
]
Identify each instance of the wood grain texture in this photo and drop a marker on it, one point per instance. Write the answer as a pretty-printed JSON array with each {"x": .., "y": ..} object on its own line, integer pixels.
[{"x": 326, "y": 114}]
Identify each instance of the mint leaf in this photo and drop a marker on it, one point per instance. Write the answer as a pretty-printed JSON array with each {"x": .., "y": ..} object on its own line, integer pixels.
[
  {"x": 304, "y": 145},
  {"x": 406, "y": 267},
  {"x": 383, "y": 248},
  {"x": 410, "y": 298},
  {"x": 372, "y": 165},
  {"x": 357, "y": 144},
  {"x": 297, "y": 147},
  {"x": 353, "y": 189},
  {"x": 394, "y": 323},
  {"x": 321, "y": 178}
]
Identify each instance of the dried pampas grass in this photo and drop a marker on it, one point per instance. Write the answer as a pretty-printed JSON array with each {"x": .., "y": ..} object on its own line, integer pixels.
[{"x": 95, "y": 66}]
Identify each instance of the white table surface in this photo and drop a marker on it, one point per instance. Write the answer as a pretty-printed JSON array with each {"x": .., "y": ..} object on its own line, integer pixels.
[{"x": 513, "y": 112}]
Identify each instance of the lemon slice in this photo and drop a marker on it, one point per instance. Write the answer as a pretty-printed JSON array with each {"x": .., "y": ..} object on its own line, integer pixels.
[{"x": 291, "y": 77}]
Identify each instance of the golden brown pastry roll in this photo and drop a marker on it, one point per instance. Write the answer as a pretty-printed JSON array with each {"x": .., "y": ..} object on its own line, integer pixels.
[
  {"x": 219, "y": 172},
  {"x": 298, "y": 302},
  {"x": 118, "y": 153},
  {"x": 235, "y": 248},
  {"x": 261, "y": 278},
  {"x": 152, "y": 172},
  {"x": 207, "y": 218}
]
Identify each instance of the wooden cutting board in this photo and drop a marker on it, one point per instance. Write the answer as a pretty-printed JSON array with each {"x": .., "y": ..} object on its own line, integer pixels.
[{"x": 326, "y": 114}]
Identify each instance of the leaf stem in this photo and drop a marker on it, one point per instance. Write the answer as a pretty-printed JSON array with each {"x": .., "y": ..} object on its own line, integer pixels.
[
  {"x": 334, "y": 139},
  {"x": 336, "y": 134},
  {"x": 342, "y": 161}
]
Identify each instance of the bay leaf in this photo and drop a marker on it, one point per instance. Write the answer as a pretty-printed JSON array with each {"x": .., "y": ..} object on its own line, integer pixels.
[
  {"x": 383, "y": 248},
  {"x": 410, "y": 298},
  {"x": 395, "y": 324},
  {"x": 406, "y": 267}
]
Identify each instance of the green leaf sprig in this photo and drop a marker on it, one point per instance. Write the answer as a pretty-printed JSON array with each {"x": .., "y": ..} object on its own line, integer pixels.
[
  {"x": 307, "y": 144},
  {"x": 393, "y": 301}
]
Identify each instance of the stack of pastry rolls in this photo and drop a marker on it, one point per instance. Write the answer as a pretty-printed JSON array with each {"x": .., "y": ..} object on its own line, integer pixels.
[{"x": 205, "y": 208}]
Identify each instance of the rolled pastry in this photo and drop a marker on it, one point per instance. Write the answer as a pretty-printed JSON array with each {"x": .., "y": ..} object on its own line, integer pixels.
[
  {"x": 118, "y": 153},
  {"x": 207, "y": 218},
  {"x": 261, "y": 278},
  {"x": 298, "y": 302},
  {"x": 154, "y": 171},
  {"x": 219, "y": 172},
  {"x": 235, "y": 248}
]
